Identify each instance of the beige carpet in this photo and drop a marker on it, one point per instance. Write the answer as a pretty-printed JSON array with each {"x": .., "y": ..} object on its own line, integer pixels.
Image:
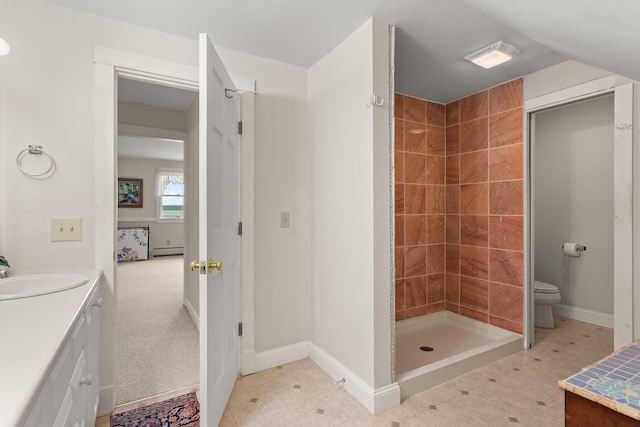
[{"x": 158, "y": 348}]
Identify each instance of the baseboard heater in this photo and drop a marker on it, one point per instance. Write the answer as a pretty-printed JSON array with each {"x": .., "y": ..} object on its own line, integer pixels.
[{"x": 177, "y": 250}]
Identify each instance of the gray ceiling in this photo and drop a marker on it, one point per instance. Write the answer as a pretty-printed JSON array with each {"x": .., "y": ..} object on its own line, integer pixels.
[
  {"x": 152, "y": 94},
  {"x": 142, "y": 147},
  {"x": 432, "y": 35}
]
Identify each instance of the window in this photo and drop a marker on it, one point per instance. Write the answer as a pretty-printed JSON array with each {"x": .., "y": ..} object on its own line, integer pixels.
[{"x": 169, "y": 194}]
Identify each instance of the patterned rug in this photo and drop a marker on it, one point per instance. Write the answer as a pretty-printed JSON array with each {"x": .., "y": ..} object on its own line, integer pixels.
[{"x": 181, "y": 411}]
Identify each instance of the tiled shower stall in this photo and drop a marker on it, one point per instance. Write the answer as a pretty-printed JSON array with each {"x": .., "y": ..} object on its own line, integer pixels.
[{"x": 459, "y": 206}]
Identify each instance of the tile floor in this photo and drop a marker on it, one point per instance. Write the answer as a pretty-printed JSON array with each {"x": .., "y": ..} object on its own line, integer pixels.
[{"x": 519, "y": 390}]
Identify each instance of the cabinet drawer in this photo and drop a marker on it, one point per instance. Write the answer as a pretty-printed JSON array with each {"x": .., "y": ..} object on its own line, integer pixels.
[
  {"x": 62, "y": 419},
  {"x": 62, "y": 375},
  {"x": 78, "y": 337},
  {"x": 79, "y": 371},
  {"x": 88, "y": 311},
  {"x": 71, "y": 408}
]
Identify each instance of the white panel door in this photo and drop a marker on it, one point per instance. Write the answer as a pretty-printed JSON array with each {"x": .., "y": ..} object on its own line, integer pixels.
[{"x": 220, "y": 293}]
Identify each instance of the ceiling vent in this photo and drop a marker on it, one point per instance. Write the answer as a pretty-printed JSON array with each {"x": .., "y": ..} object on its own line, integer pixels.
[{"x": 490, "y": 56}]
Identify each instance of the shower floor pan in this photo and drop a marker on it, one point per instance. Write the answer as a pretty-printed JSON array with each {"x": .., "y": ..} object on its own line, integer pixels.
[{"x": 459, "y": 345}]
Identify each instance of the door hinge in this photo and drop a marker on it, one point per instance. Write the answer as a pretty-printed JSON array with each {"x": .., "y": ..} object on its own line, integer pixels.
[
  {"x": 240, "y": 228},
  {"x": 240, "y": 127},
  {"x": 240, "y": 329}
]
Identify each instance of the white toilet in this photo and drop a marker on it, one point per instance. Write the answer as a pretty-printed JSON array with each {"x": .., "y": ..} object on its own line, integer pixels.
[{"x": 545, "y": 295}]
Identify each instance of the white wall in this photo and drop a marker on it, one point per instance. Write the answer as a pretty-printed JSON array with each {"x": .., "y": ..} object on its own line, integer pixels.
[
  {"x": 282, "y": 184},
  {"x": 560, "y": 76},
  {"x": 573, "y": 201},
  {"x": 47, "y": 97},
  {"x": 351, "y": 204}
]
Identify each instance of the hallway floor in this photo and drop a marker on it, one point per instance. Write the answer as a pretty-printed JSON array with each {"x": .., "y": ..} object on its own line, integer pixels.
[
  {"x": 519, "y": 390},
  {"x": 158, "y": 343}
]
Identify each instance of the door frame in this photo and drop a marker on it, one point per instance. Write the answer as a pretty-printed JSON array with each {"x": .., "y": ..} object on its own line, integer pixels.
[
  {"x": 110, "y": 64},
  {"x": 623, "y": 287}
]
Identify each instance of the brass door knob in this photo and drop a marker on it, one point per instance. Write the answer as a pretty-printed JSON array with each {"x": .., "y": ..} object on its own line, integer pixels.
[
  {"x": 215, "y": 265},
  {"x": 202, "y": 265}
]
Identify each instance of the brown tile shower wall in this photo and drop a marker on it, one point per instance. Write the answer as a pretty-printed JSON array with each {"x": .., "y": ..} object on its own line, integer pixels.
[
  {"x": 420, "y": 162},
  {"x": 482, "y": 203}
]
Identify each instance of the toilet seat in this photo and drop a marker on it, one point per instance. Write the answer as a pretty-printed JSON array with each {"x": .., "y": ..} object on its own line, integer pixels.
[{"x": 545, "y": 288}]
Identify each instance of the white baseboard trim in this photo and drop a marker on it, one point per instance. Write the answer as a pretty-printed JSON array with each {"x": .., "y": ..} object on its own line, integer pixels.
[
  {"x": 375, "y": 400},
  {"x": 281, "y": 355},
  {"x": 249, "y": 364},
  {"x": 386, "y": 397},
  {"x": 146, "y": 219},
  {"x": 157, "y": 252},
  {"x": 192, "y": 313},
  {"x": 583, "y": 315},
  {"x": 106, "y": 402}
]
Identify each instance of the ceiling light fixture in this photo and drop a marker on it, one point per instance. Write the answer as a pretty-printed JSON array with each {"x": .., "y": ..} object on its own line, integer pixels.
[{"x": 493, "y": 55}]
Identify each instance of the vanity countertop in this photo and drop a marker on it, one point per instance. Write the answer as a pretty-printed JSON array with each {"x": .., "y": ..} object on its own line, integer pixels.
[
  {"x": 613, "y": 382},
  {"x": 32, "y": 333}
]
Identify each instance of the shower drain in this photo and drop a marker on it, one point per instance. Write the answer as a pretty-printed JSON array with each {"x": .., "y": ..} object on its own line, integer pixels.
[{"x": 426, "y": 348}]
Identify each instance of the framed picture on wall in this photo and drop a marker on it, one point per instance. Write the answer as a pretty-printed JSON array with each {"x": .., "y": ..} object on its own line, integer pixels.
[{"x": 129, "y": 192}]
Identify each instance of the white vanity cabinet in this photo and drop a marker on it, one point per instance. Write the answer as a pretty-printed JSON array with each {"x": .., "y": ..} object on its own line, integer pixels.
[
  {"x": 69, "y": 396},
  {"x": 92, "y": 314}
]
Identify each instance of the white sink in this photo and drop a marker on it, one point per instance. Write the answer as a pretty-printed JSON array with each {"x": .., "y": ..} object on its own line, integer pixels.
[{"x": 39, "y": 284}]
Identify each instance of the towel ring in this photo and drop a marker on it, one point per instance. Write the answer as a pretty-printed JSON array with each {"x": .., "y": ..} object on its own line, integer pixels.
[{"x": 35, "y": 149}]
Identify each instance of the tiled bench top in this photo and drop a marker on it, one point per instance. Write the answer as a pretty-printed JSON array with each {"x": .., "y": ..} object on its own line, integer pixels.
[{"x": 613, "y": 382}]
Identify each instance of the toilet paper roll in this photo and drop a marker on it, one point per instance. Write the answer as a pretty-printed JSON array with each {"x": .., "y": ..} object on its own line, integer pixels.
[{"x": 572, "y": 249}]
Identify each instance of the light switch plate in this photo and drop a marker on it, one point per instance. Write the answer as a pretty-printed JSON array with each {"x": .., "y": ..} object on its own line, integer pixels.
[{"x": 66, "y": 229}]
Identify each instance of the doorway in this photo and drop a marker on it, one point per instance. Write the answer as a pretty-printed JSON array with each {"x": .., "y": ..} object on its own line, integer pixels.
[
  {"x": 157, "y": 333},
  {"x": 109, "y": 65},
  {"x": 572, "y": 156},
  {"x": 618, "y": 100}
]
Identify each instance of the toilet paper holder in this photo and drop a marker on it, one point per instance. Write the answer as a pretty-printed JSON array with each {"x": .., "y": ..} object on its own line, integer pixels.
[{"x": 579, "y": 248}]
